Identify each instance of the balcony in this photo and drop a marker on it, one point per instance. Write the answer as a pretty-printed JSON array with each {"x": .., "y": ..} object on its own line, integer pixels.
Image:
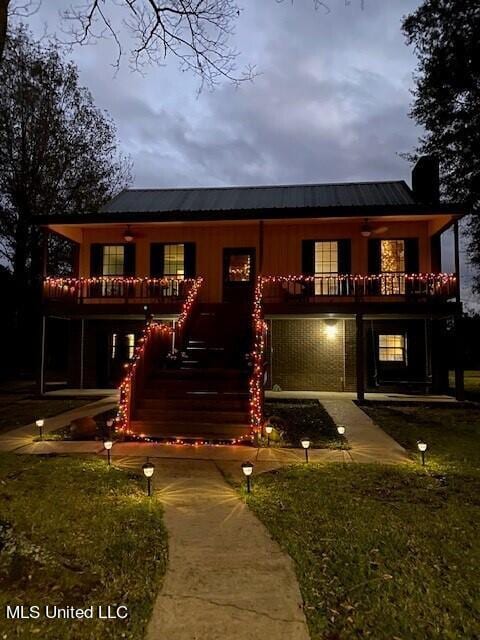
[
  {"x": 166, "y": 294},
  {"x": 291, "y": 291}
]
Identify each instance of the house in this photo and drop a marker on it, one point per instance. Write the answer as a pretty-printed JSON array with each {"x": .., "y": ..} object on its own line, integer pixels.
[{"x": 344, "y": 282}]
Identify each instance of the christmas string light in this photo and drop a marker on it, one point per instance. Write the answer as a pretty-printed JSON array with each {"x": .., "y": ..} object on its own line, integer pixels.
[{"x": 151, "y": 329}]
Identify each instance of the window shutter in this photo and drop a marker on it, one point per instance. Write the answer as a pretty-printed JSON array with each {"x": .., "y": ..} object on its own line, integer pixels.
[
  {"x": 129, "y": 257},
  {"x": 190, "y": 259},
  {"x": 157, "y": 253},
  {"x": 308, "y": 257},
  {"x": 96, "y": 260},
  {"x": 344, "y": 256},
  {"x": 374, "y": 256},
  {"x": 412, "y": 263}
]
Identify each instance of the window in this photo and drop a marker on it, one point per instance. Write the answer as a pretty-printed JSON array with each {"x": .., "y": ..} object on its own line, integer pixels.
[
  {"x": 392, "y": 348},
  {"x": 130, "y": 345},
  {"x": 113, "y": 260},
  {"x": 174, "y": 260},
  {"x": 239, "y": 267},
  {"x": 326, "y": 264},
  {"x": 392, "y": 265}
]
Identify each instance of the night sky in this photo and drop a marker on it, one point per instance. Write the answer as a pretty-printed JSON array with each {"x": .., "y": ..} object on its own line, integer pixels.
[{"x": 330, "y": 102}]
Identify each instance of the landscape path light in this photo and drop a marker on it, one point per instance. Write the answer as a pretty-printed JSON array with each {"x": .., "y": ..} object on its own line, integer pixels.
[
  {"x": 247, "y": 468},
  {"x": 108, "y": 444},
  {"x": 268, "y": 430},
  {"x": 148, "y": 468},
  {"x": 341, "y": 430},
  {"x": 40, "y": 422},
  {"x": 422, "y": 447},
  {"x": 306, "y": 445}
]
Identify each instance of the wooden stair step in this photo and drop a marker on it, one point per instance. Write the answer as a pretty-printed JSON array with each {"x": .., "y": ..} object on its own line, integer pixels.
[
  {"x": 190, "y": 431},
  {"x": 185, "y": 415}
]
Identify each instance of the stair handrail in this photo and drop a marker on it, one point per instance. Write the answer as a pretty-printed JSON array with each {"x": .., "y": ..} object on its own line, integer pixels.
[
  {"x": 135, "y": 369},
  {"x": 187, "y": 308}
]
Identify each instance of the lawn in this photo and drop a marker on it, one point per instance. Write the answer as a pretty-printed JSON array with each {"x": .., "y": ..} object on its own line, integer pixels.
[
  {"x": 75, "y": 533},
  {"x": 28, "y": 409},
  {"x": 472, "y": 384},
  {"x": 295, "y": 419},
  {"x": 386, "y": 552}
]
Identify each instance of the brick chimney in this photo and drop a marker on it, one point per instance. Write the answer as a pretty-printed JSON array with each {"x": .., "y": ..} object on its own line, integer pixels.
[{"x": 426, "y": 180}]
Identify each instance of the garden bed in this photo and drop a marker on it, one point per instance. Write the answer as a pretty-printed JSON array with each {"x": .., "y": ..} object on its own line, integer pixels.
[{"x": 303, "y": 418}]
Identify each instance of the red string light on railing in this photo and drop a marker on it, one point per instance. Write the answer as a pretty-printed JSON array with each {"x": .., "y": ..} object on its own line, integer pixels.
[
  {"x": 257, "y": 355},
  {"x": 152, "y": 328}
]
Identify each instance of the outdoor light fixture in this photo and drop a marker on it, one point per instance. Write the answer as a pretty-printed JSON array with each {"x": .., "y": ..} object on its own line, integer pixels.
[
  {"x": 108, "y": 444},
  {"x": 366, "y": 229},
  {"x": 341, "y": 430},
  {"x": 306, "y": 445},
  {"x": 128, "y": 235},
  {"x": 268, "y": 431},
  {"x": 247, "y": 468},
  {"x": 331, "y": 328},
  {"x": 148, "y": 468},
  {"x": 422, "y": 447},
  {"x": 40, "y": 424}
]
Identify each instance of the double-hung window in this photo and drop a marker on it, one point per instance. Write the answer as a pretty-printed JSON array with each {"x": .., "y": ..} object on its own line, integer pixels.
[
  {"x": 392, "y": 266},
  {"x": 326, "y": 267},
  {"x": 392, "y": 348}
]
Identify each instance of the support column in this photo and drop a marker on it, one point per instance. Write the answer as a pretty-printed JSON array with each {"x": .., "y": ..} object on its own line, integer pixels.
[
  {"x": 459, "y": 366},
  {"x": 360, "y": 358},
  {"x": 82, "y": 353},
  {"x": 42, "y": 356},
  {"x": 456, "y": 237},
  {"x": 261, "y": 235}
]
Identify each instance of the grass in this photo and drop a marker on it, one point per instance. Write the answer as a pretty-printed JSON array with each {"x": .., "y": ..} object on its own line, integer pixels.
[
  {"x": 452, "y": 433},
  {"x": 386, "y": 552},
  {"x": 302, "y": 418},
  {"x": 472, "y": 384},
  {"x": 27, "y": 410},
  {"x": 75, "y": 533}
]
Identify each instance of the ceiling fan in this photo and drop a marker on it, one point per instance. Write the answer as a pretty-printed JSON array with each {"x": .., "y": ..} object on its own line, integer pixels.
[{"x": 367, "y": 230}]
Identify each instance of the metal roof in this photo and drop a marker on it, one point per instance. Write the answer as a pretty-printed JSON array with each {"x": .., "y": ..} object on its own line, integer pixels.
[{"x": 318, "y": 196}]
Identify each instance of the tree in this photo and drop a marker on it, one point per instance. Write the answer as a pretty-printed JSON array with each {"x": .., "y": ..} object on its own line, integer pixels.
[
  {"x": 58, "y": 152},
  {"x": 445, "y": 34},
  {"x": 195, "y": 32}
]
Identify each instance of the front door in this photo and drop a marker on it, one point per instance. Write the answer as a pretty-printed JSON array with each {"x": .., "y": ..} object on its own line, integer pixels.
[{"x": 238, "y": 274}]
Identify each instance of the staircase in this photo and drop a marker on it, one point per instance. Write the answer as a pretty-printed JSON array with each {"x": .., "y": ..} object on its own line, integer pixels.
[{"x": 202, "y": 396}]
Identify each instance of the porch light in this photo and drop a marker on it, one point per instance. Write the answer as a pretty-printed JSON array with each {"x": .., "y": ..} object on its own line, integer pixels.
[
  {"x": 268, "y": 431},
  {"x": 341, "y": 430},
  {"x": 108, "y": 444},
  {"x": 148, "y": 468},
  {"x": 40, "y": 422},
  {"x": 422, "y": 447},
  {"x": 247, "y": 468},
  {"x": 331, "y": 328},
  {"x": 366, "y": 229},
  {"x": 128, "y": 235},
  {"x": 306, "y": 445}
]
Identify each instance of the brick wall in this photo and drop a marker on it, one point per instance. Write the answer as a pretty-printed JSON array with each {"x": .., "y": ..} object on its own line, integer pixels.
[{"x": 304, "y": 357}]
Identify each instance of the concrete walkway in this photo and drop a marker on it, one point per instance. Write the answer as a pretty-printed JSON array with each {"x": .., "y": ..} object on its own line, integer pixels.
[
  {"x": 368, "y": 442},
  {"x": 21, "y": 437},
  {"x": 226, "y": 577}
]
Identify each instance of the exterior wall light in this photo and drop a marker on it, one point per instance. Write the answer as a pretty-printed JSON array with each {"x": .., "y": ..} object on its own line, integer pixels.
[
  {"x": 341, "y": 430},
  {"x": 331, "y": 328},
  {"x": 128, "y": 235},
  {"x": 247, "y": 468},
  {"x": 422, "y": 447},
  {"x": 40, "y": 424},
  {"x": 108, "y": 444},
  {"x": 268, "y": 431},
  {"x": 306, "y": 445},
  {"x": 148, "y": 468}
]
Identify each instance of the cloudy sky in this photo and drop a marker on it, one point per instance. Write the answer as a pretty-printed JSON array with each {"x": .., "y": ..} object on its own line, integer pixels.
[{"x": 330, "y": 101}]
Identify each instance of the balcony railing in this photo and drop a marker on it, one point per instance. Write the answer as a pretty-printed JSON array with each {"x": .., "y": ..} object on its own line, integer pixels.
[
  {"x": 311, "y": 289},
  {"x": 117, "y": 289}
]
